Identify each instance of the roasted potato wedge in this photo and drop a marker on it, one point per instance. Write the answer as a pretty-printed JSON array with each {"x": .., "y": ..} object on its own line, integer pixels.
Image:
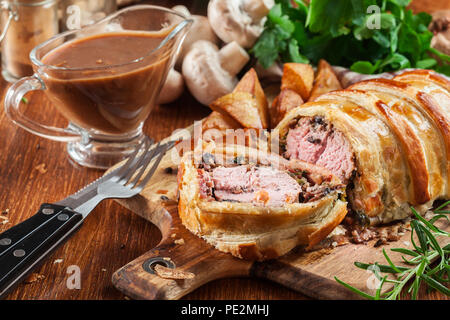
[
  {"x": 283, "y": 103},
  {"x": 216, "y": 125},
  {"x": 250, "y": 83},
  {"x": 241, "y": 106},
  {"x": 325, "y": 80},
  {"x": 298, "y": 77},
  {"x": 216, "y": 120}
]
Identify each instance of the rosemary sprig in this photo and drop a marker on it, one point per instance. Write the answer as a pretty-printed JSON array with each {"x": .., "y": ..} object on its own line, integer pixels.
[{"x": 420, "y": 262}]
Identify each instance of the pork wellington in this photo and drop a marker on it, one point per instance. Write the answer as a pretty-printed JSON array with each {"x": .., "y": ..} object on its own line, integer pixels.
[
  {"x": 387, "y": 140},
  {"x": 257, "y": 205}
]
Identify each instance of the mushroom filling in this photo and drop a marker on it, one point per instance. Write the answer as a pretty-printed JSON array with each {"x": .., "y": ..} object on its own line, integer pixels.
[
  {"x": 313, "y": 140},
  {"x": 259, "y": 184}
]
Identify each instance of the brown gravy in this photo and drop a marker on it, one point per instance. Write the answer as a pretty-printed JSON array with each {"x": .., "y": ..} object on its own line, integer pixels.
[{"x": 112, "y": 80}]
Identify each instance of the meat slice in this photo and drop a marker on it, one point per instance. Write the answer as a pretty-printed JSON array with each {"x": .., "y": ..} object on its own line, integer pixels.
[
  {"x": 337, "y": 156},
  {"x": 231, "y": 179},
  {"x": 205, "y": 183},
  {"x": 258, "y": 185},
  {"x": 307, "y": 141},
  {"x": 315, "y": 141}
]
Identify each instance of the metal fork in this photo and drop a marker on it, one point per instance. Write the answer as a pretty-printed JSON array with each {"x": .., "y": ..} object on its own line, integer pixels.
[
  {"x": 23, "y": 246},
  {"x": 126, "y": 181}
]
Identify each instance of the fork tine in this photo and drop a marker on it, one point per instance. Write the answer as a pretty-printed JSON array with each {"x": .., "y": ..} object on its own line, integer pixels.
[
  {"x": 127, "y": 174},
  {"x": 153, "y": 168},
  {"x": 143, "y": 166},
  {"x": 131, "y": 159}
]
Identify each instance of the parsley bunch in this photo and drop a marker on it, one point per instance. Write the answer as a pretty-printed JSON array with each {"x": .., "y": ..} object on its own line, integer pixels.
[{"x": 388, "y": 38}]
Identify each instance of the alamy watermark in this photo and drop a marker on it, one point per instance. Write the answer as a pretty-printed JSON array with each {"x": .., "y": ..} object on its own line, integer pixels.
[
  {"x": 73, "y": 17},
  {"x": 253, "y": 144},
  {"x": 74, "y": 279},
  {"x": 373, "y": 22}
]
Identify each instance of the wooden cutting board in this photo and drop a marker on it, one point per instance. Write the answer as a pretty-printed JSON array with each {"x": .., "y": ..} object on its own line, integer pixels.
[{"x": 311, "y": 273}]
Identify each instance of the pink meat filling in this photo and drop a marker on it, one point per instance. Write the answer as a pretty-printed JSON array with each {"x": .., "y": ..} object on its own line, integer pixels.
[
  {"x": 258, "y": 185},
  {"x": 317, "y": 143}
]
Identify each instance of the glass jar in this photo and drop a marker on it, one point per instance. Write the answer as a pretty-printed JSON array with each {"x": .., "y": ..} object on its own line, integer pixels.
[
  {"x": 80, "y": 13},
  {"x": 25, "y": 24}
]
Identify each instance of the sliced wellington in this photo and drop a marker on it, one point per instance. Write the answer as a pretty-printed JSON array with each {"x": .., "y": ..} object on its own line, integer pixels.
[{"x": 257, "y": 205}]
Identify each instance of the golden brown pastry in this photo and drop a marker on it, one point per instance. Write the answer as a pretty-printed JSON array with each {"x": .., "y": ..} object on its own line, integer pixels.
[
  {"x": 257, "y": 205},
  {"x": 388, "y": 140}
]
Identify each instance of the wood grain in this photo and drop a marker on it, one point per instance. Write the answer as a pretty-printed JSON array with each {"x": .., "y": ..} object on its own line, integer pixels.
[{"x": 112, "y": 235}]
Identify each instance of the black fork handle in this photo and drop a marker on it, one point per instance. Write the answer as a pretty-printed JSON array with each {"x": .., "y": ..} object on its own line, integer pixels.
[{"x": 23, "y": 246}]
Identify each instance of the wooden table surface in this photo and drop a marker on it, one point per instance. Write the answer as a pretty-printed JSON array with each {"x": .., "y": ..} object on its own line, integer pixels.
[{"x": 35, "y": 170}]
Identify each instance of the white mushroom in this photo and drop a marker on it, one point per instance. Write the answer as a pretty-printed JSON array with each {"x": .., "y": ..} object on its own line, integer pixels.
[
  {"x": 238, "y": 20},
  {"x": 200, "y": 30},
  {"x": 211, "y": 73},
  {"x": 173, "y": 87}
]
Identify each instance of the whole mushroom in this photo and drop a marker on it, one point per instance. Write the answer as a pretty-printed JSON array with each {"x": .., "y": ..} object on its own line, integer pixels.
[
  {"x": 238, "y": 20},
  {"x": 210, "y": 73},
  {"x": 200, "y": 30},
  {"x": 173, "y": 87}
]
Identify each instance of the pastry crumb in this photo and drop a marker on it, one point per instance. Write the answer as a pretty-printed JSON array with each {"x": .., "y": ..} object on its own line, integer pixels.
[
  {"x": 34, "y": 277},
  {"x": 57, "y": 261},
  {"x": 41, "y": 168},
  {"x": 4, "y": 220},
  {"x": 179, "y": 241},
  {"x": 176, "y": 274}
]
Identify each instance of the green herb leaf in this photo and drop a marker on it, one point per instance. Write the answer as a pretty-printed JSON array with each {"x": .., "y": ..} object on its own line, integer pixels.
[
  {"x": 383, "y": 268},
  {"x": 294, "y": 53},
  {"x": 442, "y": 206},
  {"x": 405, "y": 251},
  {"x": 346, "y": 33},
  {"x": 401, "y": 3},
  {"x": 365, "y": 67},
  {"x": 436, "y": 285},
  {"x": 361, "y": 293},
  {"x": 420, "y": 235},
  {"x": 426, "y": 63},
  {"x": 328, "y": 16}
]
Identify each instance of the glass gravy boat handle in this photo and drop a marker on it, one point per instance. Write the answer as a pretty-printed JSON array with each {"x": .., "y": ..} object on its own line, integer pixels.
[
  {"x": 12, "y": 14},
  {"x": 14, "y": 98}
]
